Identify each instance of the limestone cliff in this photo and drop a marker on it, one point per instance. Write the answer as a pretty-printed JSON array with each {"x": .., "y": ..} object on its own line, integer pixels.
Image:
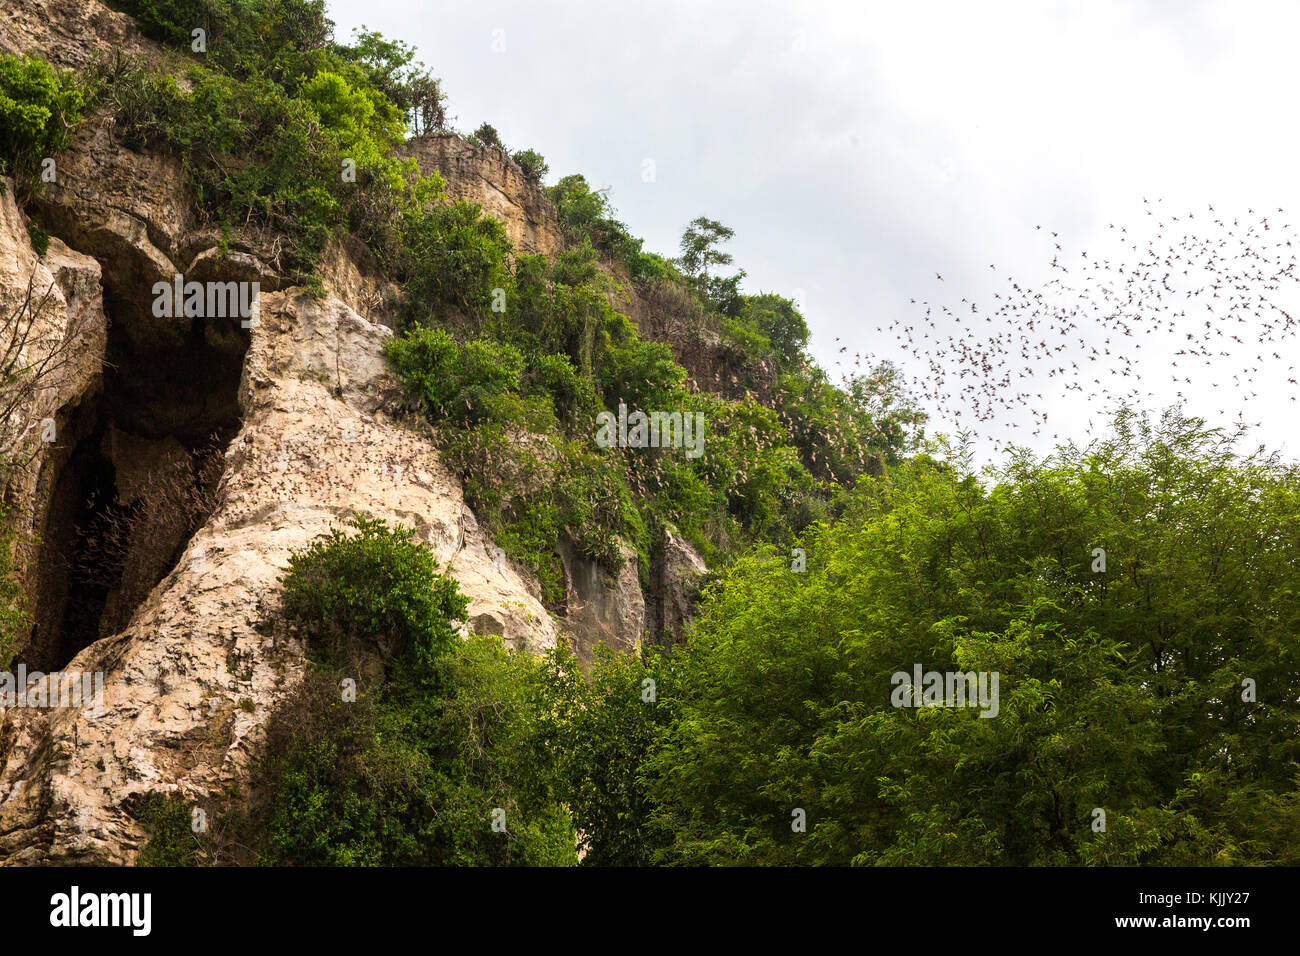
[{"x": 269, "y": 430}]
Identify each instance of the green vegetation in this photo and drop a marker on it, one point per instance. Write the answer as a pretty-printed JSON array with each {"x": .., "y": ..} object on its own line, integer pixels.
[
  {"x": 376, "y": 591},
  {"x": 15, "y": 618},
  {"x": 701, "y": 251},
  {"x": 587, "y": 215},
  {"x": 486, "y": 136},
  {"x": 441, "y": 734},
  {"x": 609, "y": 721},
  {"x": 279, "y": 125},
  {"x": 169, "y": 822},
  {"x": 532, "y": 163},
  {"x": 1120, "y": 690},
  {"x": 513, "y": 357},
  {"x": 1160, "y": 688},
  {"x": 39, "y": 110},
  {"x": 40, "y": 239}
]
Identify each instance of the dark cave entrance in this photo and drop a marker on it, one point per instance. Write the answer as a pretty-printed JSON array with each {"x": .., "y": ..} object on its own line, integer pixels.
[
  {"x": 133, "y": 474},
  {"x": 93, "y": 570}
]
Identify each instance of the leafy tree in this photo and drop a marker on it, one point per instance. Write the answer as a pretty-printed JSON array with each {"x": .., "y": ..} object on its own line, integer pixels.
[
  {"x": 486, "y": 135},
  {"x": 448, "y": 739},
  {"x": 584, "y": 212},
  {"x": 701, "y": 252},
  {"x": 700, "y": 246},
  {"x": 393, "y": 72},
  {"x": 39, "y": 110},
  {"x": 1120, "y": 690},
  {"x": 532, "y": 163},
  {"x": 780, "y": 322},
  {"x": 607, "y": 723}
]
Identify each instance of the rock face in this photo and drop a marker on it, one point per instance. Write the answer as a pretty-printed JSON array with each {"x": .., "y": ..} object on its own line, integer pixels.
[
  {"x": 602, "y": 608},
  {"x": 680, "y": 572},
  {"x": 490, "y": 178},
  {"x": 193, "y": 673},
  {"x": 190, "y": 681},
  {"x": 216, "y": 448},
  {"x": 68, "y": 32},
  {"x": 52, "y": 324}
]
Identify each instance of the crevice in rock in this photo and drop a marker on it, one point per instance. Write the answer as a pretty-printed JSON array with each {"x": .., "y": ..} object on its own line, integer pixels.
[
  {"x": 657, "y": 631},
  {"x": 134, "y": 473}
]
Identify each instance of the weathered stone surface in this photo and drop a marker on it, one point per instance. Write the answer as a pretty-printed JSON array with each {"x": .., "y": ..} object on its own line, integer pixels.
[
  {"x": 193, "y": 665},
  {"x": 602, "y": 608},
  {"x": 52, "y": 316},
  {"x": 68, "y": 32},
  {"x": 681, "y": 572},
  {"x": 190, "y": 681},
  {"x": 493, "y": 180}
]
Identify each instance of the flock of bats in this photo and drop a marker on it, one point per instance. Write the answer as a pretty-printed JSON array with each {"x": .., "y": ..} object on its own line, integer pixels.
[{"x": 1211, "y": 288}]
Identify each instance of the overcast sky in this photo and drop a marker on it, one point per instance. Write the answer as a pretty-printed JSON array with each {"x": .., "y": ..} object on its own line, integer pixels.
[{"x": 858, "y": 149}]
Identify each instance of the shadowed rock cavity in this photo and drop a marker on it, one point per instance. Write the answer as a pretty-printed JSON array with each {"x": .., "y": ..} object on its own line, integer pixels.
[{"x": 134, "y": 470}]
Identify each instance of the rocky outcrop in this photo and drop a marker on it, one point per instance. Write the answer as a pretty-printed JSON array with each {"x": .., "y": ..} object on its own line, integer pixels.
[
  {"x": 680, "y": 574},
  {"x": 490, "y": 178},
  {"x": 293, "y": 405},
  {"x": 69, "y": 32},
  {"x": 600, "y": 607},
  {"x": 191, "y": 679},
  {"x": 53, "y": 332}
]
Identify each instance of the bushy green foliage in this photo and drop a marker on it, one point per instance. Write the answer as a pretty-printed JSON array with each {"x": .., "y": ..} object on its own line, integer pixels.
[
  {"x": 306, "y": 162},
  {"x": 584, "y": 212},
  {"x": 39, "y": 110},
  {"x": 1119, "y": 690},
  {"x": 537, "y": 352},
  {"x": 404, "y": 82},
  {"x": 240, "y": 36},
  {"x": 701, "y": 252},
  {"x": 412, "y": 770},
  {"x": 376, "y": 589},
  {"x": 844, "y": 433},
  {"x": 277, "y": 124},
  {"x": 40, "y": 239},
  {"x": 172, "y": 841},
  {"x": 532, "y": 163},
  {"x": 778, "y": 320},
  {"x": 486, "y": 136},
  {"x": 456, "y": 383},
  {"x": 609, "y": 720},
  {"x": 15, "y": 618},
  {"x": 454, "y": 257}
]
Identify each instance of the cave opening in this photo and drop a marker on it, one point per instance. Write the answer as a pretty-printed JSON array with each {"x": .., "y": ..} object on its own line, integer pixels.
[
  {"x": 133, "y": 474},
  {"x": 94, "y": 569}
]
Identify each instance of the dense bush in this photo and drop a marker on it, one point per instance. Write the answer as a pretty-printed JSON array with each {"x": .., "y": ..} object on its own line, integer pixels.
[
  {"x": 609, "y": 720},
  {"x": 1120, "y": 689},
  {"x": 414, "y": 769},
  {"x": 377, "y": 589},
  {"x": 518, "y": 355},
  {"x": 39, "y": 110},
  {"x": 15, "y": 618},
  {"x": 584, "y": 213},
  {"x": 532, "y": 163},
  {"x": 454, "y": 258},
  {"x": 278, "y": 125},
  {"x": 486, "y": 136},
  {"x": 455, "y": 383}
]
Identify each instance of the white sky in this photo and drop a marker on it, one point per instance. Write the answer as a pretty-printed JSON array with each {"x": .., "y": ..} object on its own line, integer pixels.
[{"x": 860, "y": 148}]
